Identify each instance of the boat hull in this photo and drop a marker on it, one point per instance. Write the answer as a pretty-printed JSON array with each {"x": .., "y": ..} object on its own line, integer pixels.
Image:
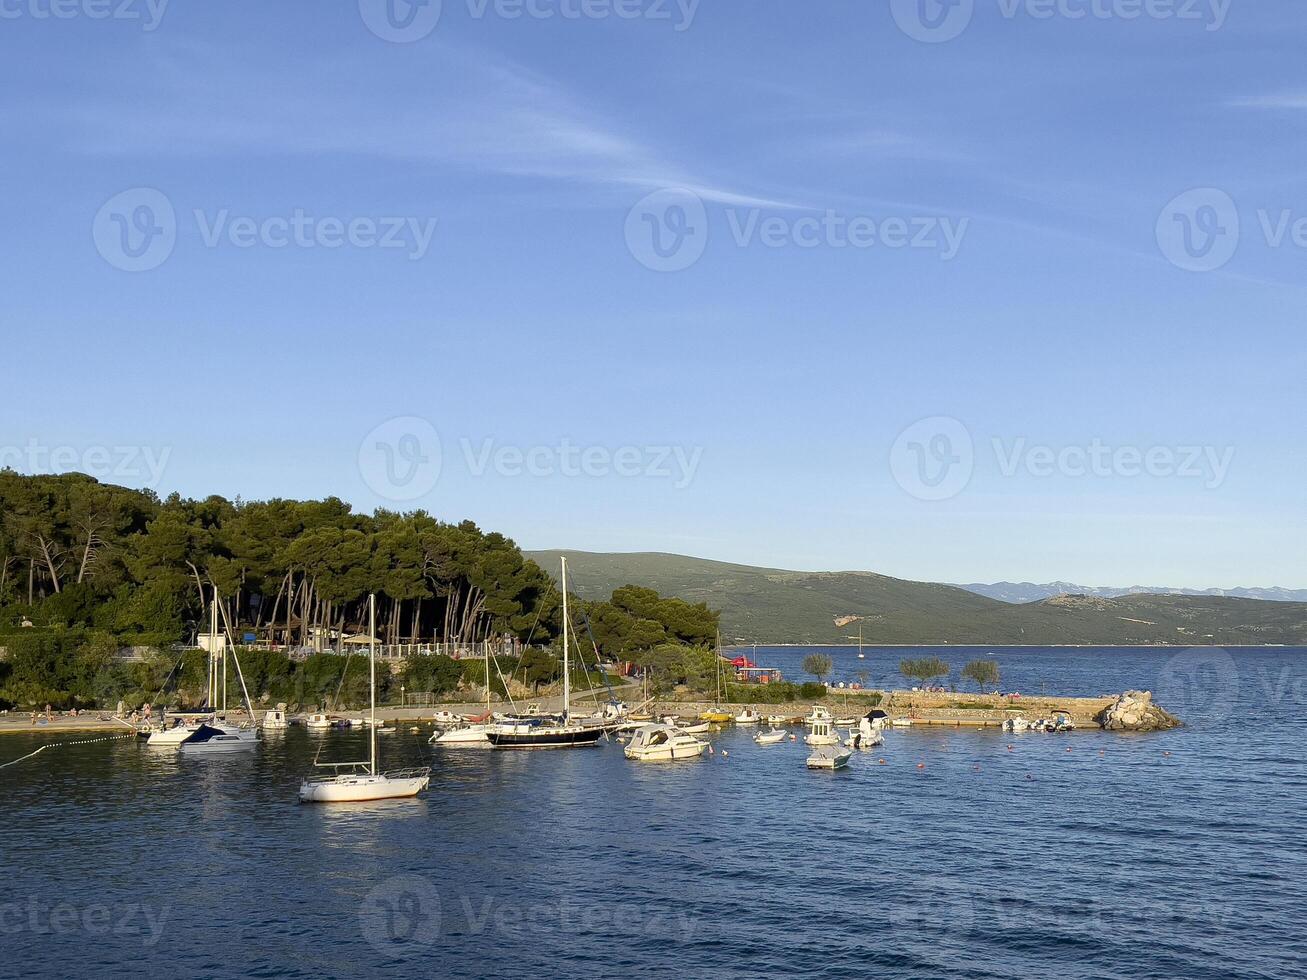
[
  {"x": 546, "y": 738},
  {"x": 363, "y": 789}
]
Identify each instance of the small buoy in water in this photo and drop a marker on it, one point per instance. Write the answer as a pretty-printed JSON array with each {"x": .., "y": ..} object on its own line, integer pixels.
[
  {"x": 1028, "y": 776},
  {"x": 1068, "y": 748},
  {"x": 921, "y": 765},
  {"x": 976, "y": 768},
  {"x": 794, "y": 738},
  {"x": 882, "y": 762},
  {"x": 1166, "y": 753},
  {"x": 1009, "y": 748},
  {"x": 725, "y": 753}
]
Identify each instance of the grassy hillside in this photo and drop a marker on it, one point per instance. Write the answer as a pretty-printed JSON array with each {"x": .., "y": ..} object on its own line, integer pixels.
[{"x": 770, "y": 605}]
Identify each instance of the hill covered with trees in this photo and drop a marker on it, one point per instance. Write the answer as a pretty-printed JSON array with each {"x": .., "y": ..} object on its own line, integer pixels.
[{"x": 87, "y": 568}]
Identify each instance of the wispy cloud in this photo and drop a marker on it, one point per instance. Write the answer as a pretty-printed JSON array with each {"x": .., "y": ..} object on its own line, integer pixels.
[{"x": 475, "y": 112}]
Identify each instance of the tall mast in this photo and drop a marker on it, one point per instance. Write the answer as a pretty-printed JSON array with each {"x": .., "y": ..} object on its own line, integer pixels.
[
  {"x": 213, "y": 651},
  {"x": 567, "y": 674},
  {"x": 372, "y": 679},
  {"x": 224, "y": 650}
]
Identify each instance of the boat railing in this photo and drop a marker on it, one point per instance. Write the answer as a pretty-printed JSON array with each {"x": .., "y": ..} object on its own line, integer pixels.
[{"x": 414, "y": 772}]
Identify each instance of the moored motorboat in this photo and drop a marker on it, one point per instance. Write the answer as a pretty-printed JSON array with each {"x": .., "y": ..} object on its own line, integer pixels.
[
  {"x": 821, "y": 728},
  {"x": 463, "y": 737},
  {"x": 829, "y": 757},
  {"x": 208, "y": 739},
  {"x": 748, "y": 717},
  {"x": 663, "y": 743},
  {"x": 275, "y": 719},
  {"x": 770, "y": 737}
]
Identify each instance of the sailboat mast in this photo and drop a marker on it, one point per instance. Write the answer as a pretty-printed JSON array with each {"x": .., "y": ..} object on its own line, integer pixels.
[
  {"x": 372, "y": 679},
  {"x": 212, "y": 701},
  {"x": 224, "y": 650},
  {"x": 567, "y": 672}
]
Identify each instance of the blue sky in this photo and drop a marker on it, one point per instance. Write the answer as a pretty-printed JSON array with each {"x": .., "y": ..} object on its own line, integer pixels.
[{"x": 977, "y": 406}]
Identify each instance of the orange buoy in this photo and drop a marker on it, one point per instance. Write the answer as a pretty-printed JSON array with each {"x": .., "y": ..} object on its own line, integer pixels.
[
  {"x": 882, "y": 762},
  {"x": 921, "y": 765}
]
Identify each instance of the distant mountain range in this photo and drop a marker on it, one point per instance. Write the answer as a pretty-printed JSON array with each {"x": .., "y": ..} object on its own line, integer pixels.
[
  {"x": 1030, "y": 592},
  {"x": 772, "y": 605}
]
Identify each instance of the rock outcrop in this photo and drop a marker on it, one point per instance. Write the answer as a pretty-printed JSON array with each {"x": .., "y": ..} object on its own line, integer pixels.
[{"x": 1134, "y": 711}]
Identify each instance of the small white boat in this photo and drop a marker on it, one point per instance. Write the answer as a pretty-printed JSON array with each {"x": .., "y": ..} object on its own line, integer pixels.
[
  {"x": 769, "y": 737},
  {"x": 446, "y": 718},
  {"x": 902, "y": 722},
  {"x": 1017, "y": 724},
  {"x": 821, "y": 728},
  {"x": 466, "y": 737},
  {"x": 663, "y": 743},
  {"x": 829, "y": 757},
  {"x": 697, "y": 728},
  {"x": 317, "y": 722},
  {"x": 275, "y": 719},
  {"x": 777, "y": 721},
  {"x": 748, "y": 717}
]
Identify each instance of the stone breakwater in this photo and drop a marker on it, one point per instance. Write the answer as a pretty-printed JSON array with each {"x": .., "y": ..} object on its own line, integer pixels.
[{"x": 1132, "y": 711}]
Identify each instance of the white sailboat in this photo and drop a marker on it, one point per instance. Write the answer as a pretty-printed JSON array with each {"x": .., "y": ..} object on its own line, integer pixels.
[
  {"x": 364, "y": 782},
  {"x": 214, "y": 734},
  {"x": 545, "y": 732}
]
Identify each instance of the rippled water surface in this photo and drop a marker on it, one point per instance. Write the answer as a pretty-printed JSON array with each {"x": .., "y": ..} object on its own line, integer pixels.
[{"x": 963, "y": 854}]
